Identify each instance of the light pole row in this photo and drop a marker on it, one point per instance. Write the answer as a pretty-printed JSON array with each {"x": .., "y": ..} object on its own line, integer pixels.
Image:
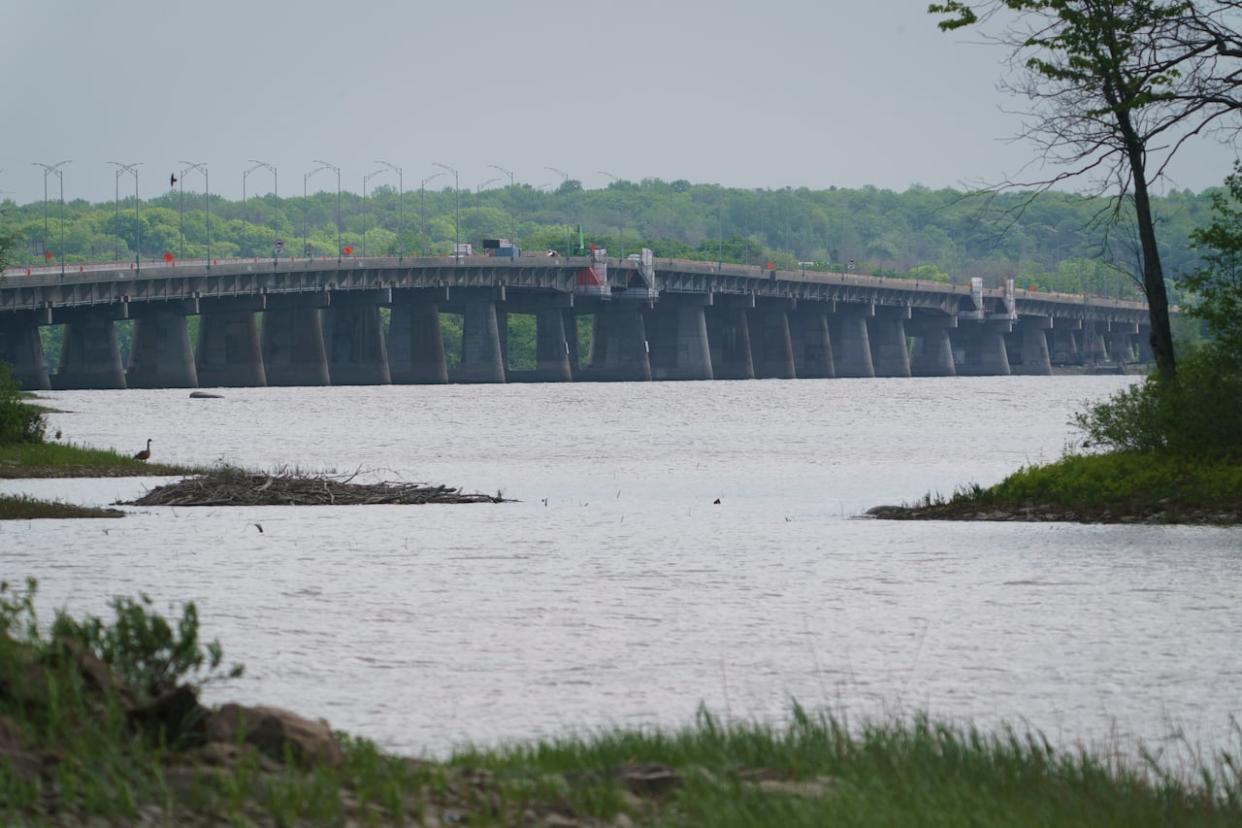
[{"x": 201, "y": 167}]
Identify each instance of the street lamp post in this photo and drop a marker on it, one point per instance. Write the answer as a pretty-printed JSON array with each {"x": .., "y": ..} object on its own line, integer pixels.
[
  {"x": 197, "y": 166},
  {"x": 482, "y": 186},
  {"x": 337, "y": 170},
  {"x": 456, "y": 212},
  {"x": 365, "y": 179},
  {"x": 422, "y": 202},
  {"x": 499, "y": 168},
  {"x": 610, "y": 175},
  {"x": 400, "y": 206},
  {"x": 132, "y": 169},
  {"x": 60, "y": 177},
  {"x": 306, "y": 210},
  {"x": 275, "y": 194}
]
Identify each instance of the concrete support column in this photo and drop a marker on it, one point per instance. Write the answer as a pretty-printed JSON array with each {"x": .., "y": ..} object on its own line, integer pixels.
[
  {"x": 294, "y": 353},
  {"x": 1034, "y": 344},
  {"x": 932, "y": 355},
  {"x": 570, "y": 321},
  {"x": 812, "y": 344},
  {"x": 983, "y": 347},
  {"x": 678, "y": 339},
  {"x": 728, "y": 336},
  {"x": 354, "y": 340},
  {"x": 1121, "y": 347},
  {"x": 482, "y": 356},
  {"x": 851, "y": 345},
  {"x": 89, "y": 354},
  {"x": 551, "y": 347},
  {"x": 22, "y": 348},
  {"x": 160, "y": 355},
  {"x": 1064, "y": 346},
  {"x": 886, "y": 333},
  {"x": 1144, "y": 344},
  {"x": 229, "y": 354},
  {"x": 415, "y": 345},
  {"x": 771, "y": 345},
  {"x": 1093, "y": 349},
  {"x": 619, "y": 349}
]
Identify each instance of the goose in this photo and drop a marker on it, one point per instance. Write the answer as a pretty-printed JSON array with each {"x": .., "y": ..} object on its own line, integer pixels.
[{"x": 145, "y": 454}]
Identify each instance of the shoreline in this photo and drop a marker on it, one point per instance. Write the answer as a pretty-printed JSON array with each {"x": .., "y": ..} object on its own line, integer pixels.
[{"x": 1150, "y": 488}]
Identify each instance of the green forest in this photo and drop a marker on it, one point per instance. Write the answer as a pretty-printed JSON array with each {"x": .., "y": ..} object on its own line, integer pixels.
[{"x": 1053, "y": 241}]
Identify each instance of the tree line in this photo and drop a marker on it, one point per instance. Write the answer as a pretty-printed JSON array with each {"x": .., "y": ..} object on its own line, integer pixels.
[{"x": 1050, "y": 241}]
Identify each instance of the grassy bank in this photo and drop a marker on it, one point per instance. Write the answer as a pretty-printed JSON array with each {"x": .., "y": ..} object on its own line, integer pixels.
[
  {"x": 28, "y": 460},
  {"x": 100, "y": 720},
  {"x": 1118, "y": 487},
  {"x": 21, "y": 507}
]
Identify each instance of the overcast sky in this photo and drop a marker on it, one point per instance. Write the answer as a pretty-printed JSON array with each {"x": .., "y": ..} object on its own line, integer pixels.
[{"x": 765, "y": 93}]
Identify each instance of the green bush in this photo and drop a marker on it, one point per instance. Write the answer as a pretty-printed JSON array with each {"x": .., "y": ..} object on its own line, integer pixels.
[
  {"x": 143, "y": 648},
  {"x": 1197, "y": 415},
  {"x": 19, "y": 422}
]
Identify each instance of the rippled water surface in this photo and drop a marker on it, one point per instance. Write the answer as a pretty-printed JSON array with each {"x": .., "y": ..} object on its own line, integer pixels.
[{"x": 616, "y": 592}]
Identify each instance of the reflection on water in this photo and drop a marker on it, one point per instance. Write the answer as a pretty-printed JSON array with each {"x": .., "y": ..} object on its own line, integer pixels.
[{"x": 616, "y": 592}]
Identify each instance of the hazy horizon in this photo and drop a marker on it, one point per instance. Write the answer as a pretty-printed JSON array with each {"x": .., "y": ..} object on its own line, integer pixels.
[{"x": 790, "y": 93}]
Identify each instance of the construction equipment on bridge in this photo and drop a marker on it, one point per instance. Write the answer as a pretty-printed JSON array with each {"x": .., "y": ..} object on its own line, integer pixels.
[
  {"x": 641, "y": 283},
  {"x": 593, "y": 279},
  {"x": 501, "y": 248}
]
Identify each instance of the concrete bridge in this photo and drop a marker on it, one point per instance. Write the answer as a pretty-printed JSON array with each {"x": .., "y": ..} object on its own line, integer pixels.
[{"x": 318, "y": 322}]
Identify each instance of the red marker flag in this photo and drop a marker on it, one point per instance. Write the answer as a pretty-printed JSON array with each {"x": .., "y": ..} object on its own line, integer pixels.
[
  {"x": 48, "y": 255},
  {"x": 168, "y": 257},
  {"x": 349, "y": 250}
]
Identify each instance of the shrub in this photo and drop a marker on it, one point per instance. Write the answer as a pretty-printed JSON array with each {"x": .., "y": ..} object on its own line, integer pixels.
[
  {"x": 1197, "y": 415},
  {"x": 143, "y": 648},
  {"x": 19, "y": 422}
]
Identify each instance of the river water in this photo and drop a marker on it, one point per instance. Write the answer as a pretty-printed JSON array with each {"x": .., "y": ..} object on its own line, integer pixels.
[{"x": 616, "y": 592}]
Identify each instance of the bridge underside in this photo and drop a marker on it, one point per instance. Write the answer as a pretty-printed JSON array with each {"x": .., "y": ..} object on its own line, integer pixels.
[{"x": 379, "y": 327}]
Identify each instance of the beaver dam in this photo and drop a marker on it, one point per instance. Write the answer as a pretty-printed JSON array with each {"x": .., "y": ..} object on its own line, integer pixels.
[{"x": 238, "y": 487}]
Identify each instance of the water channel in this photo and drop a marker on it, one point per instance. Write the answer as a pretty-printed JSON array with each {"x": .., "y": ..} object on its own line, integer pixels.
[{"x": 616, "y": 592}]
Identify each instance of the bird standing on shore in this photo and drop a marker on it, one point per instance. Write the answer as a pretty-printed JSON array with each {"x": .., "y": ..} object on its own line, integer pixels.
[{"x": 145, "y": 454}]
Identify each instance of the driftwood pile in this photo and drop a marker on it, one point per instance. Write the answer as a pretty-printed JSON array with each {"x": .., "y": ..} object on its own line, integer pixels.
[{"x": 237, "y": 487}]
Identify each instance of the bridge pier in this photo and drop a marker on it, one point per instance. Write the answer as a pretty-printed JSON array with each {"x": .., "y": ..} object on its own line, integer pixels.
[
  {"x": 552, "y": 362},
  {"x": 1093, "y": 348},
  {"x": 482, "y": 355},
  {"x": 728, "y": 336},
  {"x": 771, "y": 345},
  {"x": 851, "y": 344},
  {"x": 354, "y": 339},
  {"x": 1121, "y": 341},
  {"x": 294, "y": 353},
  {"x": 22, "y": 348},
  {"x": 572, "y": 344},
  {"x": 1033, "y": 343},
  {"x": 932, "y": 355},
  {"x": 415, "y": 345},
  {"x": 160, "y": 355},
  {"x": 619, "y": 350},
  {"x": 229, "y": 353},
  {"x": 89, "y": 354},
  {"x": 983, "y": 349},
  {"x": 678, "y": 338},
  {"x": 812, "y": 344},
  {"x": 1143, "y": 341},
  {"x": 890, "y": 353},
  {"x": 1064, "y": 346}
]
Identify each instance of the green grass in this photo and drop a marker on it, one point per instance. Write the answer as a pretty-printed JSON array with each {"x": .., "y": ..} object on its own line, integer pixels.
[
  {"x": 22, "y": 507},
  {"x": 1122, "y": 486},
  {"x": 28, "y": 460},
  {"x": 1125, "y": 479},
  {"x": 904, "y": 772}
]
